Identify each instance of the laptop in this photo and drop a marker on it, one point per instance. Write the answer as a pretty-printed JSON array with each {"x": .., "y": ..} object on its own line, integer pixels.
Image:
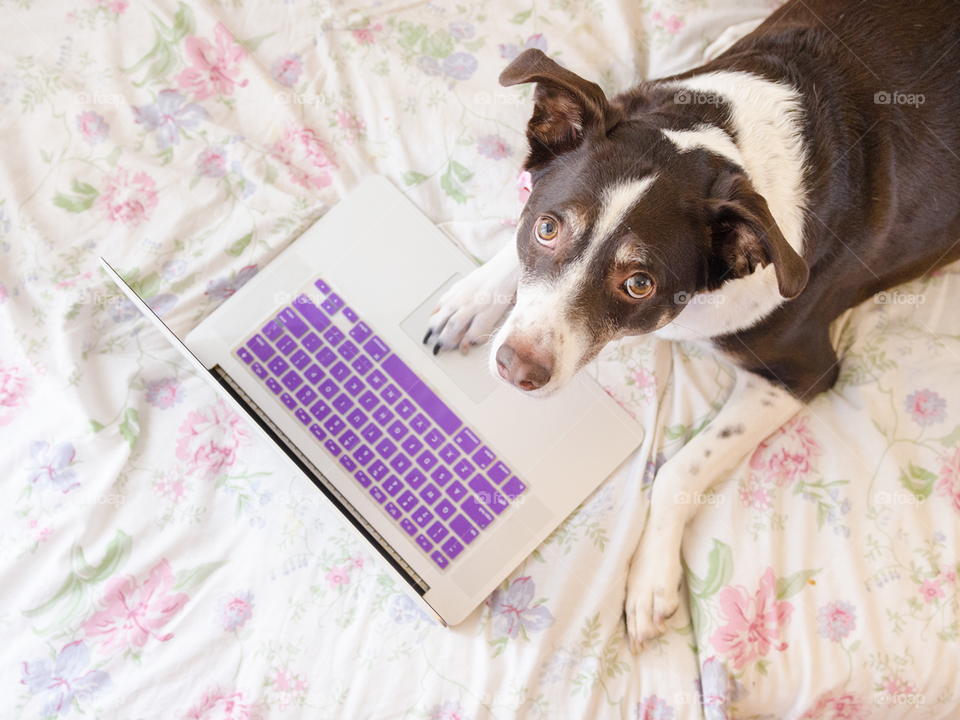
[{"x": 446, "y": 473}]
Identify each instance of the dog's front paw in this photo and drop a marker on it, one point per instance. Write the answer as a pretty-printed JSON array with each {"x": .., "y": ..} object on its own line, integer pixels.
[{"x": 653, "y": 596}]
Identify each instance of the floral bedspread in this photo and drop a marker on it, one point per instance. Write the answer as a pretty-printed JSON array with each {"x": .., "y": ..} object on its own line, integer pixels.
[{"x": 158, "y": 560}]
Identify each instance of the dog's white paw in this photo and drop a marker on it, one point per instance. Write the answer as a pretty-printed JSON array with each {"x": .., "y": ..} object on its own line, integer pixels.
[
  {"x": 468, "y": 311},
  {"x": 653, "y": 596}
]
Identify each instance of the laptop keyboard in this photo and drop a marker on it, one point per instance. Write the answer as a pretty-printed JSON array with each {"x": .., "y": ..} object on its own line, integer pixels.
[{"x": 426, "y": 470}]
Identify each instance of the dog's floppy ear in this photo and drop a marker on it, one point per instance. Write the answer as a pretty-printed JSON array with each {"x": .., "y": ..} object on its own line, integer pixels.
[
  {"x": 566, "y": 107},
  {"x": 745, "y": 235}
]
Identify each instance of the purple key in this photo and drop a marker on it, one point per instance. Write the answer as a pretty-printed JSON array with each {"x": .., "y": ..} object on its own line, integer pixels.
[
  {"x": 335, "y": 425},
  {"x": 445, "y": 509},
  {"x": 354, "y": 385},
  {"x": 313, "y": 374},
  {"x": 332, "y": 447},
  {"x": 326, "y": 356},
  {"x": 407, "y": 501},
  {"x": 415, "y": 478},
  {"x": 272, "y": 330},
  {"x": 360, "y": 332},
  {"x": 422, "y": 516},
  {"x": 259, "y": 370},
  {"x": 449, "y": 454},
  {"x": 292, "y": 322},
  {"x": 397, "y": 430},
  {"x": 342, "y": 404},
  {"x": 419, "y": 423},
  {"x": 408, "y": 526},
  {"x": 349, "y": 440},
  {"x": 390, "y": 394},
  {"x": 287, "y": 400},
  {"x": 483, "y": 457},
  {"x": 312, "y": 342},
  {"x": 328, "y": 388},
  {"x": 452, "y": 548},
  {"x": 260, "y": 348},
  {"x": 306, "y": 395},
  {"x": 439, "y": 559},
  {"x": 274, "y": 385},
  {"x": 245, "y": 355},
  {"x": 368, "y": 401},
  {"x": 371, "y": 433},
  {"x": 475, "y": 510},
  {"x": 424, "y": 543},
  {"x": 437, "y": 532},
  {"x": 463, "y": 529},
  {"x": 322, "y": 286},
  {"x": 430, "y": 494},
  {"x": 441, "y": 476},
  {"x": 386, "y": 448},
  {"x": 378, "y": 494},
  {"x": 513, "y": 488},
  {"x": 423, "y": 396},
  {"x": 405, "y": 408},
  {"x": 378, "y": 471},
  {"x": 362, "y": 365},
  {"x": 376, "y": 348},
  {"x": 393, "y": 511},
  {"x": 348, "y": 463},
  {"x": 466, "y": 440},
  {"x": 392, "y": 485},
  {"x": 383, "y": 415},
  {"x": 412, "y": 445},
  {"x": 291, "y": 381},
  {"x": 333, "y": 336},
  {"x": 464, "y": 468},
  {"x": 340, "y": 372},
  {"x": 333, "y": 303},
  {"x": 376, "y": 379},
  {"x": 433, "y": 438},
  {"x": 427, "y": 460},
  {"x": 312, "y": 313},
  {"x": 320, "y": 410},
  {"x": 401, "y": 463},
  {"x": 498, "y": 473},
  {"x": 456, "y": 490},
  {"x": 302, "y": 416},
  {"x": 286, "y": 345},
  {"x": 363, "y": 454},
  {"x": 361, "y": 477},
  {"x": 357, "y": 418},
  {"x": 318, "y": 431},
  {"x": 348, "y": 351},
  {"x": 300, "y": 359},
  {"x": 350, "y": 315},
  {"x": 278, "y": 365}
]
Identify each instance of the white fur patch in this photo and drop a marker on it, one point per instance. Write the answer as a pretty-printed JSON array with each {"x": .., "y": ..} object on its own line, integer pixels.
[{"x": 618, "y": 200}]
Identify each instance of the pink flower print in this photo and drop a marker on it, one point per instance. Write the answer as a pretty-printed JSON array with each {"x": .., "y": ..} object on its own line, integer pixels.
[
  {"x": 286, "y": 69},
  {"x": 357, "y": 563},
  {"x": 450, "y": 710},
  {"x": 134, "y": 613},
  {"x": 307, "y": 157},
  {"x": 512, "y": 613},
  {"x": 234, "y": 610},
  {"x": 15, "y": 387},
  {"x": 353, "y": 126},
  {"x": 165, "y": 393},
  {"x": 493, "y": 147},
  {"x": 338, "y": 576},
  {"x": 646, "y": 383},
  {"x": 930, "y": 590},
  {"x": 210, "y": 439},
  {"x": 653, "y": 708},
  {"x": 926, "y": 407},
  {"x": 788, "y": 455},
  {"x": 289, "y": 686},
  {"x": 117, "y": 7},
  {"x": 947, "y": 485},
  {"x": 53, "y": 466},
  {"x": 168, "y": 115},
  {"x": 894, "y": 686},
  {"x": 837, "y": 706},
  {"x": 213, "y": 69},
  {"x": 752, "y": 626},
  {"x": 219, "y": 704},
  {"x": 212, "y": 162},
  {"x": 949, "y": 577},
  {"x": 364, "y": 35},
  {"x": 93, "y": 129},
  {"x": 128, "y": 199},
  {"x": 63, "y": 680},
  {"x": 753, "y": 494},
  {"x": 836, "y": 620},
  {"x": 673, "y": 25}
]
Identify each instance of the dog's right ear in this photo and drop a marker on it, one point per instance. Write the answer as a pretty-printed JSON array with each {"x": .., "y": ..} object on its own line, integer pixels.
[{"x": 566, "y": 107}]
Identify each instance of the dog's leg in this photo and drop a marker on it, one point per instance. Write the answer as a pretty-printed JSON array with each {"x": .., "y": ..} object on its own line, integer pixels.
[
  {"x": 469, "y": 310},
  {"x": 755, "y": 408}
]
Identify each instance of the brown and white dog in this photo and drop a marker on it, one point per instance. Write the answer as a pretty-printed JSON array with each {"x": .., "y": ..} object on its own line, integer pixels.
[{"x": 809, "y": 167}]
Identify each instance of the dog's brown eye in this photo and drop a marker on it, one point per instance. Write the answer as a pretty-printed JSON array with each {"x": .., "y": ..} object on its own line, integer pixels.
[
  {"x": 547, "y": 231},
  {"x": 639, "y": 286}
]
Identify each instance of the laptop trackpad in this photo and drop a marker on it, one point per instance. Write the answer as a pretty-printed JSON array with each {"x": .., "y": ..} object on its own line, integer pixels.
[{"x": 469, "y": 372}]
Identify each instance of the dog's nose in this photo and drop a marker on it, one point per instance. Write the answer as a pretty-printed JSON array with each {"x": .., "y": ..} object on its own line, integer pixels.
[{"x": 521, "y": 370}]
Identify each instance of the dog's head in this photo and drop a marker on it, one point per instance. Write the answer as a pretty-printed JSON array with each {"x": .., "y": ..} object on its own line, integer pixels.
[{"x": 620, "y": 229}]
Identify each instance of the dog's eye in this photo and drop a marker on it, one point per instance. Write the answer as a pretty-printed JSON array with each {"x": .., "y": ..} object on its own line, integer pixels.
[
  {"x": 547, "y": 231},
  {"x": 639, "y": 286}
]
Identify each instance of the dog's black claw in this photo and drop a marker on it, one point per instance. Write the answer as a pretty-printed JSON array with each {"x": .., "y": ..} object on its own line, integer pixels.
[
  {"x": 427, "y": 336},
  {"x": 436, "y": 348}
]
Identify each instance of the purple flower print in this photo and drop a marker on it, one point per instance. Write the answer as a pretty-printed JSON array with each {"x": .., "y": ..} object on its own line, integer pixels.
[
  {"x": 429, "y": 66},
  {"x": 926, "y": 407},
  {"x": 509, "y": 51},
  {"x": 173, "y": 269},
  {"x": 234, "y": 610},
  {"x": 653, "y": 708},
  {"x": 212, "y": 162},
  {"x": 53, "y": 466},
  {"x": 511, "y": 612},
  {"x": 459, "y": 65},
  {"x": 836, "y": 620},
  {"x": 58, "y": 683},
  {"x": 493, "y": 147},
  {"x": 718, "y": 689},
  {"x": 461, "y": 30},
  {"x": 165, "y": 393},
  {"x": 450, "y": 710},
  {"x": 223, "y": 288},
  {"x": 403, "y": 610},
  {"x": 286, "y": 69},
  {"x": 93, "y": 129},
  {"x": 167, "y": 117}
]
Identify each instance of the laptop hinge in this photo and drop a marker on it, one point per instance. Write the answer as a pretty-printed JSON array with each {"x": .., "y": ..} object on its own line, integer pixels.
[{"x": 321, "y": 482}]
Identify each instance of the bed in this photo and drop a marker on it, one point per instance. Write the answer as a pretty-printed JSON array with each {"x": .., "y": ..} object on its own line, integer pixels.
[{"x": 158, "y": 560}]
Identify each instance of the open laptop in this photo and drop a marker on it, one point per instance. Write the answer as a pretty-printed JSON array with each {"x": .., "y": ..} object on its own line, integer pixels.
[{"x": 450, "y": 476}]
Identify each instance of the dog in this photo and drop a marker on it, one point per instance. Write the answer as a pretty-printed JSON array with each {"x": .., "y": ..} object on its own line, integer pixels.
[{"x": 812, "y": 165}]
